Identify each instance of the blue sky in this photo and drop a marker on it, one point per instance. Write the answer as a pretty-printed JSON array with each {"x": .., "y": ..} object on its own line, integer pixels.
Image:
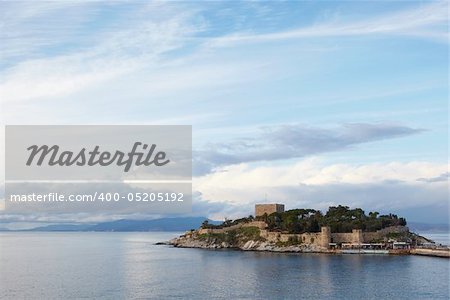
[{"x": 353, "y": 96}]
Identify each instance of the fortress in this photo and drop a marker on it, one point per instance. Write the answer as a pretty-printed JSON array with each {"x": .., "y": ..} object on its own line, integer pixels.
[
  {"x": 325, "y": 239},
  {"x": 264, "y": 234}
]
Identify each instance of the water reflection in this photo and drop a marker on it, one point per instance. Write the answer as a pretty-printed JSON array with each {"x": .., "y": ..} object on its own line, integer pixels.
[{"x": 130, "y": 266}]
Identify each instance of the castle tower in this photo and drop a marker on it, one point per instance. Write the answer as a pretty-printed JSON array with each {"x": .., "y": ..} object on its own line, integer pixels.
[
  {"x": 325, "y": 236},
  {"x": 261, "y": 209},
  {"x": 357, "y": 236}
]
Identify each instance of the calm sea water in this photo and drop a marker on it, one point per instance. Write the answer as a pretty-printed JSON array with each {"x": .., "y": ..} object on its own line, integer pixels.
[
  {"x": 129, "y": 266},
  {"x": 442, "y": 238}
]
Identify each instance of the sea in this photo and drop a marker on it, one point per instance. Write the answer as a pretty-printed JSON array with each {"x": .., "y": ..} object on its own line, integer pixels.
[
  {"x": 442, "y": 238},
  {"x": 113, "y": 265}
]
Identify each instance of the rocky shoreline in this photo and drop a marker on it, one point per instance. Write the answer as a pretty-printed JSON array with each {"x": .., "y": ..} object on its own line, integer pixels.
[
  {"x": 251, "y": 242},
  {"x": 244, "y": 245},
  {"x": 339, "y": 231},
  {"x": 188, "y": 242}
]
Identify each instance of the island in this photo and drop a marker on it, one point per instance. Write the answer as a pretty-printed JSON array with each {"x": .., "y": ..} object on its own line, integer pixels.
[{"x": 341, "y": 230}]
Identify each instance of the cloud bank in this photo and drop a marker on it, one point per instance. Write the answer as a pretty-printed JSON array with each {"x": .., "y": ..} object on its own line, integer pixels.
[
  {"x": 312, "y": 183},
  {"x": 293, "y": 141}
]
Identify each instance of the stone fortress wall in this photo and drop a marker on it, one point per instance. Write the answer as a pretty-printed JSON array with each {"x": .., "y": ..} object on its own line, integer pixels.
[{"x": 320, "y": 239}]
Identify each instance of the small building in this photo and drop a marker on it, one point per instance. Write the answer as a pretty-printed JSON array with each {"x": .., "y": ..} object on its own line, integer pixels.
[
  {"x": 400, "y": 245},
  {"x": 428, "y": 245},
  {"x": 261, "y": 209},
  {"x": 332, "y": 245}
]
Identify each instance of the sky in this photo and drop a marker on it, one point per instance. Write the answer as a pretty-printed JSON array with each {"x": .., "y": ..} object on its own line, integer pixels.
[{"x": 307, "y": 103}]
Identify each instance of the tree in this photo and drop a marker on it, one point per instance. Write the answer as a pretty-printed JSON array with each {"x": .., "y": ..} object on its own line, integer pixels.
[{"x": 205, "y": 224}]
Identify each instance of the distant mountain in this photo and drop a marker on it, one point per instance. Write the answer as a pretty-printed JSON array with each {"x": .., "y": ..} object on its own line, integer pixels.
[
  {"x": 62, "y": 227},
  {"x": 180, "y": 224},
  {"x": 163, "y": 224},
  {"x": 425, "y": 227}
]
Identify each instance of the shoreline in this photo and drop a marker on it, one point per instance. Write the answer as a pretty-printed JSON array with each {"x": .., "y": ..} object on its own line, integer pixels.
[
  {"x": 264, "y": 246},
  {"x": 415, "y": 251}
]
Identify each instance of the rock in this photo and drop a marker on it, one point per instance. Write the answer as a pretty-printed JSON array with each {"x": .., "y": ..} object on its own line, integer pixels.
[
  {"x": 194, "y": 241},
  {"x": 162, "y": 243},
  {"x": 249, "y": 245}
]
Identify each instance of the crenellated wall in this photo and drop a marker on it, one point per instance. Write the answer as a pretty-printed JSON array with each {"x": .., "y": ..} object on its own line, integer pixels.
[
  {"x": 313, "y": 238},
  {"x": 320, "y": 239}
]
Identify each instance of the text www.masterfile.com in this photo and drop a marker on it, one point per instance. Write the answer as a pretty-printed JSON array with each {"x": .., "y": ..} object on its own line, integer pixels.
[{"x": 98, "y": 197}]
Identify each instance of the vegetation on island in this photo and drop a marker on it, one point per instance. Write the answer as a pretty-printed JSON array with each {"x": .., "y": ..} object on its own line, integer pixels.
[
  {"x": 227, "y": 223},
  {"x": 233, "y": 237},
  {"x": 338, "y": 218}
]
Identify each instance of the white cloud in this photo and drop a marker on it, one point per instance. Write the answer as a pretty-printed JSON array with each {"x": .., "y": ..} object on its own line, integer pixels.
[
  {"x": 293, "y": 141},
  {"x": 28, "y": 26},
  {"x": 117, "y": 54},
  {"x": 314, "y": 172},
  {"x": 387, "y": 187},
  {"x": 143, "y": 44},
  {"x": 427, "y": 21}
]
